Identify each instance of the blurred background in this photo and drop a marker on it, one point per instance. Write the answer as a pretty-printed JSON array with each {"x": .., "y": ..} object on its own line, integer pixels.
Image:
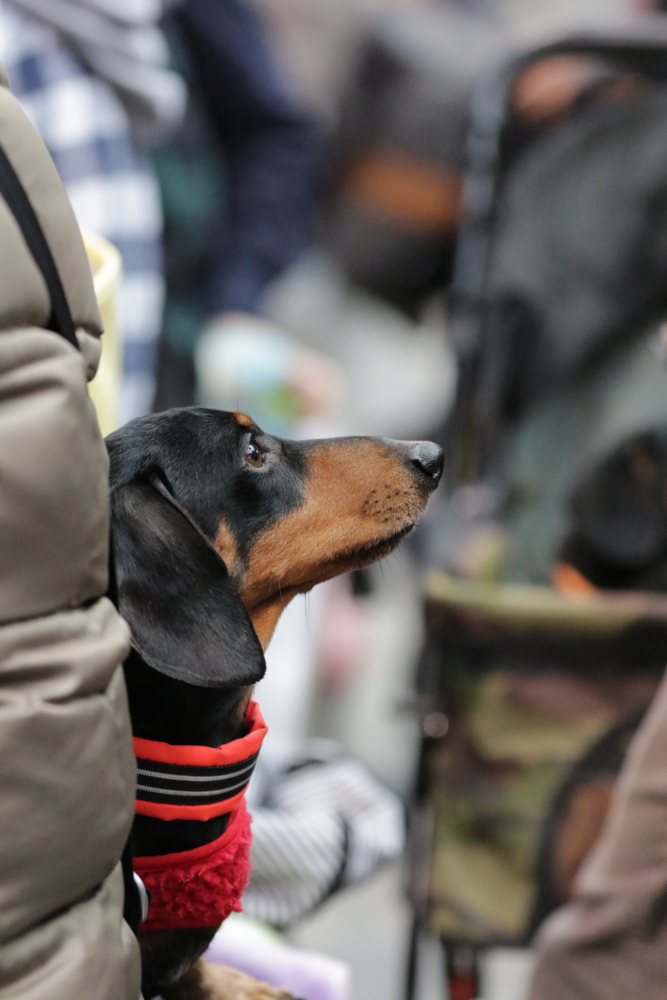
[{"x": 442, "y": 220}]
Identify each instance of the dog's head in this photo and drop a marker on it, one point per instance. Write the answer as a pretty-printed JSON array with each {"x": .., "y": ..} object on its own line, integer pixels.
[{"x": 216, "y": 526}]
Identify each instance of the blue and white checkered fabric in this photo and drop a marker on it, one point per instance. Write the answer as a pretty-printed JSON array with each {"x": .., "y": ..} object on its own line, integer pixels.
[{"x": 109, "y": 180}]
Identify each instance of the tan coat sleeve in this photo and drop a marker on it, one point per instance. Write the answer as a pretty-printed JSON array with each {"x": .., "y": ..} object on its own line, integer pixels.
[
  {"x": 67, "y": 771},
  {"x": 610, "y": 943}
]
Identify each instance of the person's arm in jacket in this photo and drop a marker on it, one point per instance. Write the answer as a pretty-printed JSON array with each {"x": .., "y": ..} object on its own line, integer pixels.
[{"x": 271, "y": 149}]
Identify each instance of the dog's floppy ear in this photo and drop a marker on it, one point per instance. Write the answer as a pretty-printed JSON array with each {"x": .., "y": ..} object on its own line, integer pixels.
[{"x": 173, "y": 589}]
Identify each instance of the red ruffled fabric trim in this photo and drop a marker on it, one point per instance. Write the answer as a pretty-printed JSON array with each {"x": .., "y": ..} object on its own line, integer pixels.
[{"x": 199, "y": 888}]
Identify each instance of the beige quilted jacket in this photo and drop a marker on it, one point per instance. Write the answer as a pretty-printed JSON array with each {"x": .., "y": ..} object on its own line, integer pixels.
[{"x": 66, "y": 764}]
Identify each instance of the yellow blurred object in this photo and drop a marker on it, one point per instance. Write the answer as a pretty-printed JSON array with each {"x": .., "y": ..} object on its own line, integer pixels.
[{"x": 107, "y": 267}]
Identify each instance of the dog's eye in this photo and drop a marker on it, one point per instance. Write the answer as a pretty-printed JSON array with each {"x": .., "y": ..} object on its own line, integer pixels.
[{"x": 253, "y": 455}]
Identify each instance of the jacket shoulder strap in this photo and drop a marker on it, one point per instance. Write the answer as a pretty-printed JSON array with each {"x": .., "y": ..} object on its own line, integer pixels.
[{"x": 13, "y": 192}]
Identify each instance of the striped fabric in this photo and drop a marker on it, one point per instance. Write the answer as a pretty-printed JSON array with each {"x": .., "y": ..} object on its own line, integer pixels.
[
  {"x": 172, "y": 783},
  {"x": 197, "y": 782},
  {"x": 108, "y": 178},
  {"x": 321, "y": 823}
]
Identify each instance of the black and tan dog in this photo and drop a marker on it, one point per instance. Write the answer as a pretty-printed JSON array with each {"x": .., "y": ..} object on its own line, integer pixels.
[{"x": 216, "y": 526}]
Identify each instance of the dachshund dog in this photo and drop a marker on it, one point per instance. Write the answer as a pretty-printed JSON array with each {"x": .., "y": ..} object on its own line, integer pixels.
[{"x": 216, "y": 526}]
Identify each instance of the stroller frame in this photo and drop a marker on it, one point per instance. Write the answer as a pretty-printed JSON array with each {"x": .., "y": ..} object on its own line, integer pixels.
[{"x": 641, "y": 47}]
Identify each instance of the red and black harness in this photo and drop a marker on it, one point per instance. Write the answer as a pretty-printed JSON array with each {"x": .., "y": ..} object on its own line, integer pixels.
[{"x": 200, "y": 887}]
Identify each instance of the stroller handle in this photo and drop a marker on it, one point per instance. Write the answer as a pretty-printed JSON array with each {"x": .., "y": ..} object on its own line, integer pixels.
[{"x": 641, "y": 48}]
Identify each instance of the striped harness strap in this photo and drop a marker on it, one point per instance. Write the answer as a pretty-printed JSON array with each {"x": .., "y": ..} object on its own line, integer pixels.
[
  {"x": 200, "y": 887},
  {"x": 196, "y": 782}
]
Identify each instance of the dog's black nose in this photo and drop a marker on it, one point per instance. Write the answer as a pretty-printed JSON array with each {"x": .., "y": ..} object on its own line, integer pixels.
[{"x": 428, "y": 458}]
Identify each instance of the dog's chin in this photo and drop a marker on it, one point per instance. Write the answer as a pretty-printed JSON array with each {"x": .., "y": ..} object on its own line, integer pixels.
[
  {"x": 265, "y": 615},
  {"x": 357, "y": 558},
  {"x": 366, "y": 554}
]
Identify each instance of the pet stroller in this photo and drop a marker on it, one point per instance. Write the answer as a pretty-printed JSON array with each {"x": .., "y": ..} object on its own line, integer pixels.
[{"x": 529, "y": 693}]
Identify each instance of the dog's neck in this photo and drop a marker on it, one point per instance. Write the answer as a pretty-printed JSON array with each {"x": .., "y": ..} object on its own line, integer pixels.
[{"x": 171, "y": 711}]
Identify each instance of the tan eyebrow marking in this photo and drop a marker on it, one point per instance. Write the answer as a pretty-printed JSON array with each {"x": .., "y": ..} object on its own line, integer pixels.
[{"x": 245, "y": 421}]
